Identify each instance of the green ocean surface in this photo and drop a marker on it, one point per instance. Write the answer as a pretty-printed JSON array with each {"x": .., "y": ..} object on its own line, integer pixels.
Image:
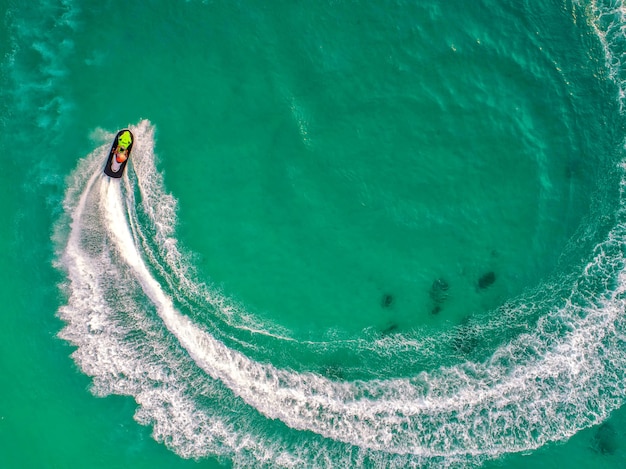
[{"x": 382, "y": 234}]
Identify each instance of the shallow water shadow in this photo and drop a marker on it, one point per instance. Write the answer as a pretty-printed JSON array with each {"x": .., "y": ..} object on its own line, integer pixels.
[
  {"x": 605, "y": 441},
  {"x": 486, "y": 280},
  {"x": 387, "y": 300},
  {"x": 390, "y": 329},
  {"x": 466, "y": 338},
  {"x": 438, "y": 294}
]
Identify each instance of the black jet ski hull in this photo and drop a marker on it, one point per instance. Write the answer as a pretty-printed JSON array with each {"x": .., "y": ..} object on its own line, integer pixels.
[{"x": 108, "y": 168}]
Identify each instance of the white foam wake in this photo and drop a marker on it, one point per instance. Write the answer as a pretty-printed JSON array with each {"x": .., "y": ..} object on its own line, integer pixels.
[
  {"x": 607, "y": 19},
  {"x": 542, "y": 386}
]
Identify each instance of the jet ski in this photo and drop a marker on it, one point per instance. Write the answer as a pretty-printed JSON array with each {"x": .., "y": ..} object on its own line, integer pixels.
[{"x": 119, "y": 154}]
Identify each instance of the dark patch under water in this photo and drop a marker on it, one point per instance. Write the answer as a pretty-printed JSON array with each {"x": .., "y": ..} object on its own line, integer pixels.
[
  {"x": 389, "y": 329},
  {"x": 387, "y": 300},
  {"x": 466, "y": 339},
  {"x": 486, "y": 280},
  {"x": 605, "y": 441},
  {"x": 438, "y": 294}
]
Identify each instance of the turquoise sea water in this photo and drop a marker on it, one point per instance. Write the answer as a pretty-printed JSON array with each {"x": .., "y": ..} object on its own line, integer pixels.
[{"x": 351, "y": 234}]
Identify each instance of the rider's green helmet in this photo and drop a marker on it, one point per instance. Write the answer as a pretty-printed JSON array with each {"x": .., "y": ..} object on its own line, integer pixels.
[{"x": 125, "y": 139}]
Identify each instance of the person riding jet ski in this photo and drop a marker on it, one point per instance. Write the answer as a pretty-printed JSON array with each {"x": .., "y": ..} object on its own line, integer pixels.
[{"x": 118, "y": 156}]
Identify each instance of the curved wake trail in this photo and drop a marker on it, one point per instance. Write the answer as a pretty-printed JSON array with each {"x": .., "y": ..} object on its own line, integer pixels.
[{"x": 542, "y": 386}]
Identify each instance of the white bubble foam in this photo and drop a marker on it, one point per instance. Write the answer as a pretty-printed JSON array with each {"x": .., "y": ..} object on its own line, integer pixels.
[
  {"x": 543, "y": 385},
  {"x": 608, "y": 19}
]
